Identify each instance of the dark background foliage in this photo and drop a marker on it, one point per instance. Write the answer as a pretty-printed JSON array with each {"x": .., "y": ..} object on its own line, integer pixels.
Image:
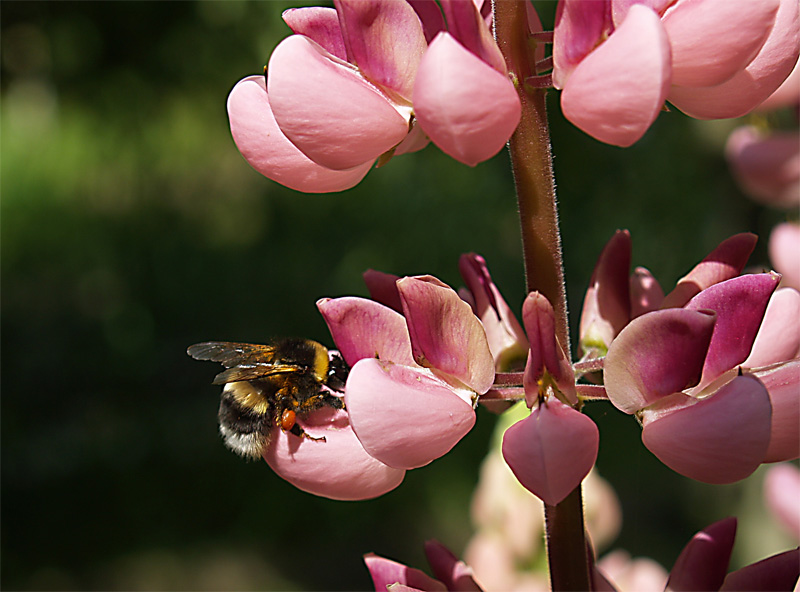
[{"x": 131, "y": 228}]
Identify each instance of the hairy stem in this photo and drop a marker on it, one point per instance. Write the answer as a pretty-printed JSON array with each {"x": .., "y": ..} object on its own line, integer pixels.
[{"x": 532, "y": 164}]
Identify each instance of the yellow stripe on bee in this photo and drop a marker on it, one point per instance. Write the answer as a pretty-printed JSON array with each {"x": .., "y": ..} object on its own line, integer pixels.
[
  {"x": 246, "y": 395},
  {"x": 321, "y": 362}
]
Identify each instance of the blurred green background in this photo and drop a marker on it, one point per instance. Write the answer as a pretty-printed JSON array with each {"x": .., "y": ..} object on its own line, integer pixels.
[{"x": 132, "y": 227}]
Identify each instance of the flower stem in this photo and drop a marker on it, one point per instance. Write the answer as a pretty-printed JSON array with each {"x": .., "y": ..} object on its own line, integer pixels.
[{"x": 532, "y": 164}]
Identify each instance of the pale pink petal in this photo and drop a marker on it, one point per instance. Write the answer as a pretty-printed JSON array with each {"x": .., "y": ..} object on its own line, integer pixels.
[
  {"x": 767, "y": 167},
  {"x": 726, "y": 261},
  {"x": 782, "y": 381},
  {"x": 405, "y": 417},
  {"x": 467, "y": 108},
  {"x": 784, "y": 252},
  {"x": 639, "y": 575},
  {"x": 646, "y": 292},
  {"x": 363, "y": 328},
  {"x": 778, "y": 338},
  {"x": 455, "y": 574},
  {"x": 607, "y": 304},
  {"x": 703, "y": 563},
  {"x": 385, "y": 572},
  {"x": 580, "y": 26},
  {"x": 551, "y": 450},
  {"x": 268, "y": 151},
  {"x": 787, "y": 95},
  {"x": 616, "y": 105},
  {"x": 777, "y": 572},
  {"x": 445, "y": 334},
  {"x": 657, "y": 354},
  {"x": 384, "y": 39},
  {"x": 747, "y": 89},
  {"x": 327, "y": 109},
  {"x": 720, "y": 439},
  {"x": 712, "y": 40},
  {"x": 466, "y": 25},
  {"x": 740, "y": 304},
  {"x": 337, "y": 468},
  {"x": 414, "y": 141},
  {"x": 782, "y": 492},
  {"x": 383, "y": 288},
  {"x": 319, "y": 24}
]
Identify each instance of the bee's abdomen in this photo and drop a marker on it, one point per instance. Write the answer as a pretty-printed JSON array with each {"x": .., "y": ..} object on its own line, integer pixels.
[{"x": 244, "y": 431}]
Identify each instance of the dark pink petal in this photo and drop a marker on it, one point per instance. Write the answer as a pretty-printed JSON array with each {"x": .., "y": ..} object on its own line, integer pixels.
[
  {"x": 740, "y": 304},
  {"x": 327, "y": 109},
  {"x": 405, "y": 417},
  {"x": 782, "y": 381},
  {"x": 268, "y": 151},
  {"x": 657, "y": 354},
  {"x": 336, "y": 468},
  {"x": 580, "y": 26},
  {"x": 723, "y": 263},
  {"x": 445, "y": 334},
  {"x": 318, "y": 24},
  {"x": 784, "y": 252},
  {"x": 720, "y": 439},
  {"x": 546, "y": 353},
  {"x": 363, "y": 328},
  {"x": 507, "y": 340},
  {"x": 383, "y": 288},
  {"x": 384, "y": 39},
  {"x": 552, "y": 450},
  {"x": 467, "y": 108},
  {"x": 781, "y": 492},
  {"x": 767, "y": 166},
  {"x": 778, "y": 572},
  {"x": 431, "y": 16},
  {"x": 385, "y": 572},
  {"x": 714, "y": 39},
  {"x": 467, "y": 26},
  {"x": 778, "y": 338},
  {"x": 646, "y": 292},
  {"x": 455, "y": 574},
  {"x": 703, "y": 563},
  {"x": 607, "y": 304},
  {"x": 747, "y": 89},
  {"x": 616, "y": 105}
]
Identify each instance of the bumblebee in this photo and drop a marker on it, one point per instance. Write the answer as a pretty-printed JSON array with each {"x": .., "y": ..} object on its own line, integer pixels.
[{"x": 271, "y": 385}]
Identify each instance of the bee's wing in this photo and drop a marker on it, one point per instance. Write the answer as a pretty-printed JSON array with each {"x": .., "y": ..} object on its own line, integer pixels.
[
  {"x": 231, "y": 354},
  {"x": 254, "y": 372}
]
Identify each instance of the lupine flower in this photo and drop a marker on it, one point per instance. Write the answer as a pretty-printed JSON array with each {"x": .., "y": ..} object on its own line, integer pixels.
[
  {"x": 359, "y": 83},
  {"x": 710, "y": 58}
]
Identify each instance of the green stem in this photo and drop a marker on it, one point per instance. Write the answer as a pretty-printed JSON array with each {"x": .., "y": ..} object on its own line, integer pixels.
[{"x": 532, "y": 164}]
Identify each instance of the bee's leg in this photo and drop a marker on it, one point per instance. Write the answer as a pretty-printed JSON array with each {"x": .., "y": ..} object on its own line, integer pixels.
[{"x": 301, "y": 433}]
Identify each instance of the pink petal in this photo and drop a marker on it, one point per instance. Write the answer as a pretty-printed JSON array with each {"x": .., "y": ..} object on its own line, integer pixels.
[
  {"x": 726, "y": 261},
  {"x": 607, "y": 305},
  {"x": 467, "y": 108},
  {"x": 506, "y": 338},
  {"x": 327, "y": 109},
  {"x": 466, "y": 25},
  {"x": 712, "y": 40},
  {"x": 766, "y": 166},
  {"x": 646, "y": 292},
  {"x": 784, "y": 252},
  {"x": 383, "y": 288},
  {"x": 363, "y": 328},
  {"x": 616, "y": 105},
  {"x": 546, "y": 352},
  {"x": 787, "y": 95},
  {"x": 318, "y": 24},
  {"x": 268, "y": 151},
  {"x": 703, "y": 563},
  {"x": 580, "y": 26},
  {"x": 747, "y": 89},
  {"x": 455, "y": 574},
  {"x": 781, "y": 492},
  {"x": 385, "y": 572},
  {"x": 782, "y": 381},
  {"x": 405, "y": 417},
  {"x": 778, "y": 338},
  {"x": 551, "y": 450},
  {"x": 740, "y": 304},
  {"x": 384, "y": 39},
  {"x": 338, "y": 468},
  {"x": 777, "y": 572},
  {"x": 720, "y": 439},
  {"x": 445, "y": 334},
  {"x": 657, "y": 354},
  {"x": 431, "y": 16}
]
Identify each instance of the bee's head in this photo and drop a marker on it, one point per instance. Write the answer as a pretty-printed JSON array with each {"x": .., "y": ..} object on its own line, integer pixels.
[{"x": 337, "y": 371}]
